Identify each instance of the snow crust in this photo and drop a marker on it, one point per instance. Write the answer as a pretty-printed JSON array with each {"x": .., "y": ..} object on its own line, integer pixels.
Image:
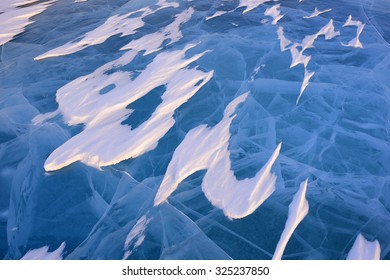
[
  {"x": 297, "y": 211},
  {"x": 355, "y": 42},
  {"x": 14, "y": 18},
  {"x": 124, "y": 24},
  {"x": 251, "y": 4},
  {"x": 104, "y": 141},
  {"x": 316, "y": 13},
  {"x": 44, "y": 254},
  {"x": 207, "y": 148},
  {"x": 364, "y": 250}
]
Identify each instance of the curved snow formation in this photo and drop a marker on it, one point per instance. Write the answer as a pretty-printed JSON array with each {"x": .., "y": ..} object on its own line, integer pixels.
[
  {"x": 207, "y": 148},
  {"x": 297, "y": 49},
  {"x": 316, "y": 13},
  {"x": 364, "y": 250},
  {"x": 124, "y": 24},
  {"x": 136, "y": 236},
  {"x": 355, "y": 42},
  {"x": 104, "y": 141},
  {"x": 297, "y": 211},
  {"x": 44, "y": 254},
  {"x": 252, "y": 4},
  {"x": 153, "y": 42},
  {"x": 275, "y": 13},
  {"x": 14, "y": 17},
  {"x": 248, "y": 4}
]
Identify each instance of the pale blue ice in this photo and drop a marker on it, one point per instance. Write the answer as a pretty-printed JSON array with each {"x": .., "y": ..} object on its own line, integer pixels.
[{"x": 106, "y": 95}]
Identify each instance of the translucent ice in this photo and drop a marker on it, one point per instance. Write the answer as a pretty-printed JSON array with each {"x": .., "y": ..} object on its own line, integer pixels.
[{"x": 160, "y": 123}]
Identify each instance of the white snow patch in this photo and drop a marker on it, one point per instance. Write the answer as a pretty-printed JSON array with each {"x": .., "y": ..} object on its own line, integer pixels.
[
  {"x": 355, "y": 42},
  {"x": 136, "y": 236},
  {"x": 252, "y": 4},
  {"x": 152, "y": 42},
  {"x": 316, "y": 13},
  {"x": 284, "y": 42},
  {"x": 364, "y": 250},
  {"x": 166, "y": 4},
  {"x": 116, "y": 24},
  {"x": 298, "y": 209},
  {"x": 7, "y": 4},
  {"x": 297, "y": 56},
  {"x": 14, "y": 19},
  {"x": 328, "y": 32},
  {"x": 104, "y": 141},
  {"x": 305, "y": 83},
  {"x": 217, "y": 14},
  {"x": 274, "y": 12},
  {"x": 205, "y": 148},
  {"x": 44, "y": 254}
]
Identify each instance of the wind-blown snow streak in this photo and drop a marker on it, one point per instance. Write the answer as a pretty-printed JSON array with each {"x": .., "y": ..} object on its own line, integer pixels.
[
  {"x": 44, "y": 254},
  {"x": 104, "y": 141},
  {"x": 116, "y": 24},
  {"x": 152, "y": 42},
  {"x": 274, "y": 12},
  {"x": 6, "y": 4},
  {"x": 297, "y": 57},
  {"x": 298, "y": 209},
  {"x": 252, "y": 4},
  {"x": 14, "y": 18},
  {"x": 284, "y": 42},
  {"x": 316, "y": 13},
  {"x": 136, "y": 236},
  {"x": 305, "y": 83},
  {"x": 364, "y": 250},
  {"x": 217, "y": 14},
  {"x": 248, "y": 4},
  {"x": 207, "y": 148},
  {"x": 297, "y": 49},
  {"x": 355, "y": 42}
]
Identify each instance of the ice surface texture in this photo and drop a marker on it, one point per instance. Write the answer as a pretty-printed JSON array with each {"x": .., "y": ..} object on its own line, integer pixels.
[{"x": 167, "y": 129}]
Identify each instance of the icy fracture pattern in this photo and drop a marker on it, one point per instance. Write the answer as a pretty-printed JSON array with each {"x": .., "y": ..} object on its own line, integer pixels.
[{"x": 167, "y": 129}]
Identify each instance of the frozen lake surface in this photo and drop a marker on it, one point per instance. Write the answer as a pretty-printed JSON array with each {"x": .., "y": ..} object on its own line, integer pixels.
[{"x": 166, "y": 129}]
